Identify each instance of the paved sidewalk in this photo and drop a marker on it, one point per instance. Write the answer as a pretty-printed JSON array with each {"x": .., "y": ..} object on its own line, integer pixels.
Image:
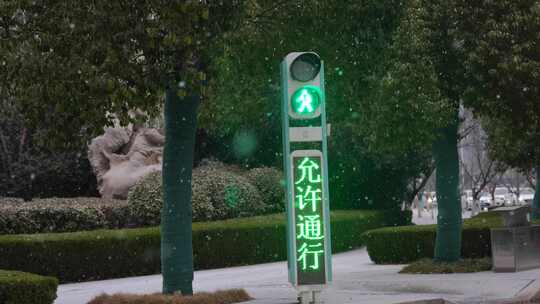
[{"x": 357, "y": 280}]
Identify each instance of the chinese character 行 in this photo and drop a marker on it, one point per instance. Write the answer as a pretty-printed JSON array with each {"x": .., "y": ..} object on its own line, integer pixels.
[{"x": 309, "y": 253}]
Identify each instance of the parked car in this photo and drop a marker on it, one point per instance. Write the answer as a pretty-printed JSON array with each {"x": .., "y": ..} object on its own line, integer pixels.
[
  {"x": 485, "y": 198},
  {"x": 526, "y": 196},
  {"x": 501, "y": 196}
]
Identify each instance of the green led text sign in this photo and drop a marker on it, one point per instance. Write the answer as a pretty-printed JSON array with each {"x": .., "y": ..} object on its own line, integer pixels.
[
  {"x": 304, "y": 133},
  {"x": 309, "y": 219},
  {"x": 306, "y": 100}
]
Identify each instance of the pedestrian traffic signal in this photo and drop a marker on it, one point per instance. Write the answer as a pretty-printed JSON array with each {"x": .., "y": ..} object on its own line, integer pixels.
[
  {"x": 305, "y": 133},
  {"x": 306, "y": 100},
  {"x": 304, "y": 79}
]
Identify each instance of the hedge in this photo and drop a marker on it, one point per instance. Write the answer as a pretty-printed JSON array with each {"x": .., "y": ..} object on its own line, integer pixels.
[
  {"x": 219, "y": 192},
  {"x": 61, "y": 215},
  {"x": 104, "y": 254},
  {"x": 25, "y": 288},
  {"x": 397, "y": 245}
]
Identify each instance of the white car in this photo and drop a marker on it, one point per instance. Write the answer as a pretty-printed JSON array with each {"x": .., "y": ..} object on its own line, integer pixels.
[
  {"x": 485, "y": 199},
  {"x": 501, "y": 196},
  {"x": 526, "y": 196}
]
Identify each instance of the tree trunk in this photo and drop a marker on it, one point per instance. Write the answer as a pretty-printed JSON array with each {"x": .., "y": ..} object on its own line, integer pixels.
[
  {"x": 445, "y": 152},
  {"x": 536, "y": 201},
  {"x": 176, "y": 233}
]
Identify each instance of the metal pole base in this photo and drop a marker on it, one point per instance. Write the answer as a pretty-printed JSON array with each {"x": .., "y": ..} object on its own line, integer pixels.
[
  {"x": 310, "y": 297},
  {"x": 317, "y": 297}
]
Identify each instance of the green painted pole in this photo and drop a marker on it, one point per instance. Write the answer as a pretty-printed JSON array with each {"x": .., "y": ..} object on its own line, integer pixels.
[
  {"x": 288, "y": 174},
  {"x": 445, "y": 152},
  {"x": 176, "y": 231},
  {"x": 536, "y": 201}
]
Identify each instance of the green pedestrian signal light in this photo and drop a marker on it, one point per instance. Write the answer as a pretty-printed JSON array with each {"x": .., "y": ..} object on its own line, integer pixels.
[
  {"x": 306, "y": 100},
  {"x": 303, "y": 85}
]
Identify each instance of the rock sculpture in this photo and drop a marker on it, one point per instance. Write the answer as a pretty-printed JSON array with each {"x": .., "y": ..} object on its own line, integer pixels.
[{"x": 122, "y": 156}]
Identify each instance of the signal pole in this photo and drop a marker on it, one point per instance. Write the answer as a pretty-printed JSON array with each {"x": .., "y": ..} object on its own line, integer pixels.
[{"x": 304, "y": 156}]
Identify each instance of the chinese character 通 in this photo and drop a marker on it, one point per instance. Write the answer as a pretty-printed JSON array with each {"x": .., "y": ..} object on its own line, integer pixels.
[{"x": 310, "y": 227}]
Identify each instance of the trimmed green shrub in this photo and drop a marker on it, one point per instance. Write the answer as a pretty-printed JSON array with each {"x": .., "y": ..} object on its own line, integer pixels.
[
  {"x": 429, "y": 266},
  {"x": 61, "y": 215},
  {"x": 145, "y": 200},
  {"x": 104, "y": 254},
  {"x": 213, "y": 163},
  {"x": 229, "y": 195},
  {"x": 217, "y": 193},
  {"x": 25, "y": 288},
  {"x": 396, "y": 245},
  {"x": 271, "y": 185}
]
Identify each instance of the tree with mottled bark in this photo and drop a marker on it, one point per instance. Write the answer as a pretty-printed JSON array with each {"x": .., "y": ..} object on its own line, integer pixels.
[{"x": 500, "y": 44}]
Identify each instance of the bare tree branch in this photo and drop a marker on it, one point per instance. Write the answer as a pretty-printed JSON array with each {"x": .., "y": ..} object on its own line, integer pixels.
[{"x": 426, "y": 174}]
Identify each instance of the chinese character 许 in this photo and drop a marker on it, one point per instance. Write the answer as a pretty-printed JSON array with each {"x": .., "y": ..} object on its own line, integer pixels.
[{"x": 309, "y": 196}]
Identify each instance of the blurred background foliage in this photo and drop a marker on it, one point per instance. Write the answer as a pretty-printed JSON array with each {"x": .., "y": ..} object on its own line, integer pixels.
[
  {"x": 353, "y": 38},
  {"x": 29, "y": 168},
  {"x": 379, "y": 144}
]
